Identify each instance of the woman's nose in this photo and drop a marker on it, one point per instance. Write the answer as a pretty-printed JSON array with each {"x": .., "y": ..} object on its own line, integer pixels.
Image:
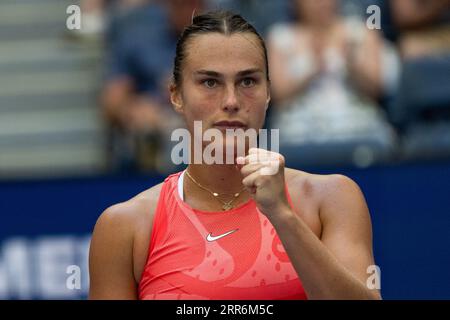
[{"x": 231, "y": 101}]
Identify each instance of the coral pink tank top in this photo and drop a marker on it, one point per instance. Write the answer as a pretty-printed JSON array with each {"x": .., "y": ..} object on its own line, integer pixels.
[{"x": 226, "y": 255}]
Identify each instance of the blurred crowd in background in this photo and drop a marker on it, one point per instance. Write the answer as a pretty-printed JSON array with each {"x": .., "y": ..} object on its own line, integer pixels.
[
  {"x": 91, "y": 106},
  {"x": 343, "y": 93},
  {"x": 339, "y": 89}
]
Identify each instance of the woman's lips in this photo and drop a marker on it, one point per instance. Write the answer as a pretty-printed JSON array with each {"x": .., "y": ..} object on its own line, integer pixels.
[{"x": 223, "y": 125}]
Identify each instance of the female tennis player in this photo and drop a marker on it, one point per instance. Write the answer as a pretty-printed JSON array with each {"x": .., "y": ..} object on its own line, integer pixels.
[{"x": 229, "y": 231}]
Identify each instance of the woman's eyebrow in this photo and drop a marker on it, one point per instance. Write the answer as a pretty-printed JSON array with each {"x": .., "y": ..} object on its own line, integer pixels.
[
  {"x": 249, "y": 72},
  {"x": 217, "y": 74},
  {"x": 208, "y": 73}
]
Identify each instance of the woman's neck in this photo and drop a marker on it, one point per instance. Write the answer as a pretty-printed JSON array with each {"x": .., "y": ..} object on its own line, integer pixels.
[{"x": 218, "y": 178}]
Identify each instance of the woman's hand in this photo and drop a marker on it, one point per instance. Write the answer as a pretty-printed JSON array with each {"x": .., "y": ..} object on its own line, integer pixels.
[{"x": 263, "y": 173}]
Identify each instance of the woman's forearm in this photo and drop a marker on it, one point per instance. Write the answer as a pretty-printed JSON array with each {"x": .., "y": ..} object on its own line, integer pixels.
[{"x": 322, "y": 275}]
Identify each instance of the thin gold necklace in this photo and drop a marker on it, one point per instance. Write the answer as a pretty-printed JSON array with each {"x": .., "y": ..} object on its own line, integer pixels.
[{"x": 226, "y": 205}]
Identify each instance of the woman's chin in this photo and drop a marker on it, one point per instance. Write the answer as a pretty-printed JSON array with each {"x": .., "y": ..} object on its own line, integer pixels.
[
  {"x": 230, "y": 151},
  {"x": 235, "y": 146}
]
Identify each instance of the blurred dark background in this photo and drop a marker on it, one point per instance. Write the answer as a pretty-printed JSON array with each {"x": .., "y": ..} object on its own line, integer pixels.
[{"x": 85, "y": 122}]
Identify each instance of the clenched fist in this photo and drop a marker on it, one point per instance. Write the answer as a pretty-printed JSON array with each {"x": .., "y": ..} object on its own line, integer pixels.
[{"x": 263, "y": 176}]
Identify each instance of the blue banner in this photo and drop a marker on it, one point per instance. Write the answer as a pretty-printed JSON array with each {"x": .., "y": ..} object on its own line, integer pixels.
[{"x": 46, "y": 227}]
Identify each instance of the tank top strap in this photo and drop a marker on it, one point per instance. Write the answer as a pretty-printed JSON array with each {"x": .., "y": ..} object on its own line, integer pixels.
[{"x": 160, "y": 216}]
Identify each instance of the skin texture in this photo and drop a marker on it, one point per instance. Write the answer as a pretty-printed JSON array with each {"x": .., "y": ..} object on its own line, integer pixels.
[{"x": 328, "y": 234}]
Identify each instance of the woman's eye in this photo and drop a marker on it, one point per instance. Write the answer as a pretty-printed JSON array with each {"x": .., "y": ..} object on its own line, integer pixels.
[
  {"x": 248, "y": 82},
  {"x": 210, "y": 83}
]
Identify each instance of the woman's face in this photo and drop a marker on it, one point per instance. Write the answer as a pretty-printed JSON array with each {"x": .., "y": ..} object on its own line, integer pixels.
[{"x": 223, "y": 79}]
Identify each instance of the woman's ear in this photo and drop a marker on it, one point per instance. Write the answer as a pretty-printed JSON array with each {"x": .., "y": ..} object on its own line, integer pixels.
[
  {"x": 268, "y": 100},
  {"x": 268, "y": 93},
  {"x": 175, "y": 98}
]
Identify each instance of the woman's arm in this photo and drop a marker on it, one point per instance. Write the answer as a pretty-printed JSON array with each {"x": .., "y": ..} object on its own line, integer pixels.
[
  {"x": 335, "y": 266},
  {"x": 111, "y": 256}
]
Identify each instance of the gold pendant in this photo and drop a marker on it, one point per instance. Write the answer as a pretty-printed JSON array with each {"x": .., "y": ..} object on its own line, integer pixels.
[{"x": 227, "y": 206}]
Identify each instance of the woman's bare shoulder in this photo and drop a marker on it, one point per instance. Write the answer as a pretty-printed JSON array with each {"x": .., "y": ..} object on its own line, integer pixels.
[
  {"x": 123, "y": 219},
  {"x": 111, "y": 262},
  {"x": 309, "y": 182},
  {"x": 325, "y": 189},
  {"x": 318, "y": 185},
  {"x": 139, "y": 207}
]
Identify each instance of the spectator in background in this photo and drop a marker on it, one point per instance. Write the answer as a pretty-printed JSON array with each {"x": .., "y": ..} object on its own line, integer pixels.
[
  {"x": 134, "y": 97},
  {"x": 261, "y": 13},
  {"x": 96, "y": 13},
  {"x": 421, "y": 108},
  {"x": 423, "y": 28},
  {"x": 93, "y": 18},
  {"x": 326, "y": 77}
]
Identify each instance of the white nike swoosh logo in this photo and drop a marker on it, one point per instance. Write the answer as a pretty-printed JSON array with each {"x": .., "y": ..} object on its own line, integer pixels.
[{"x": 211, "y": 238}]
